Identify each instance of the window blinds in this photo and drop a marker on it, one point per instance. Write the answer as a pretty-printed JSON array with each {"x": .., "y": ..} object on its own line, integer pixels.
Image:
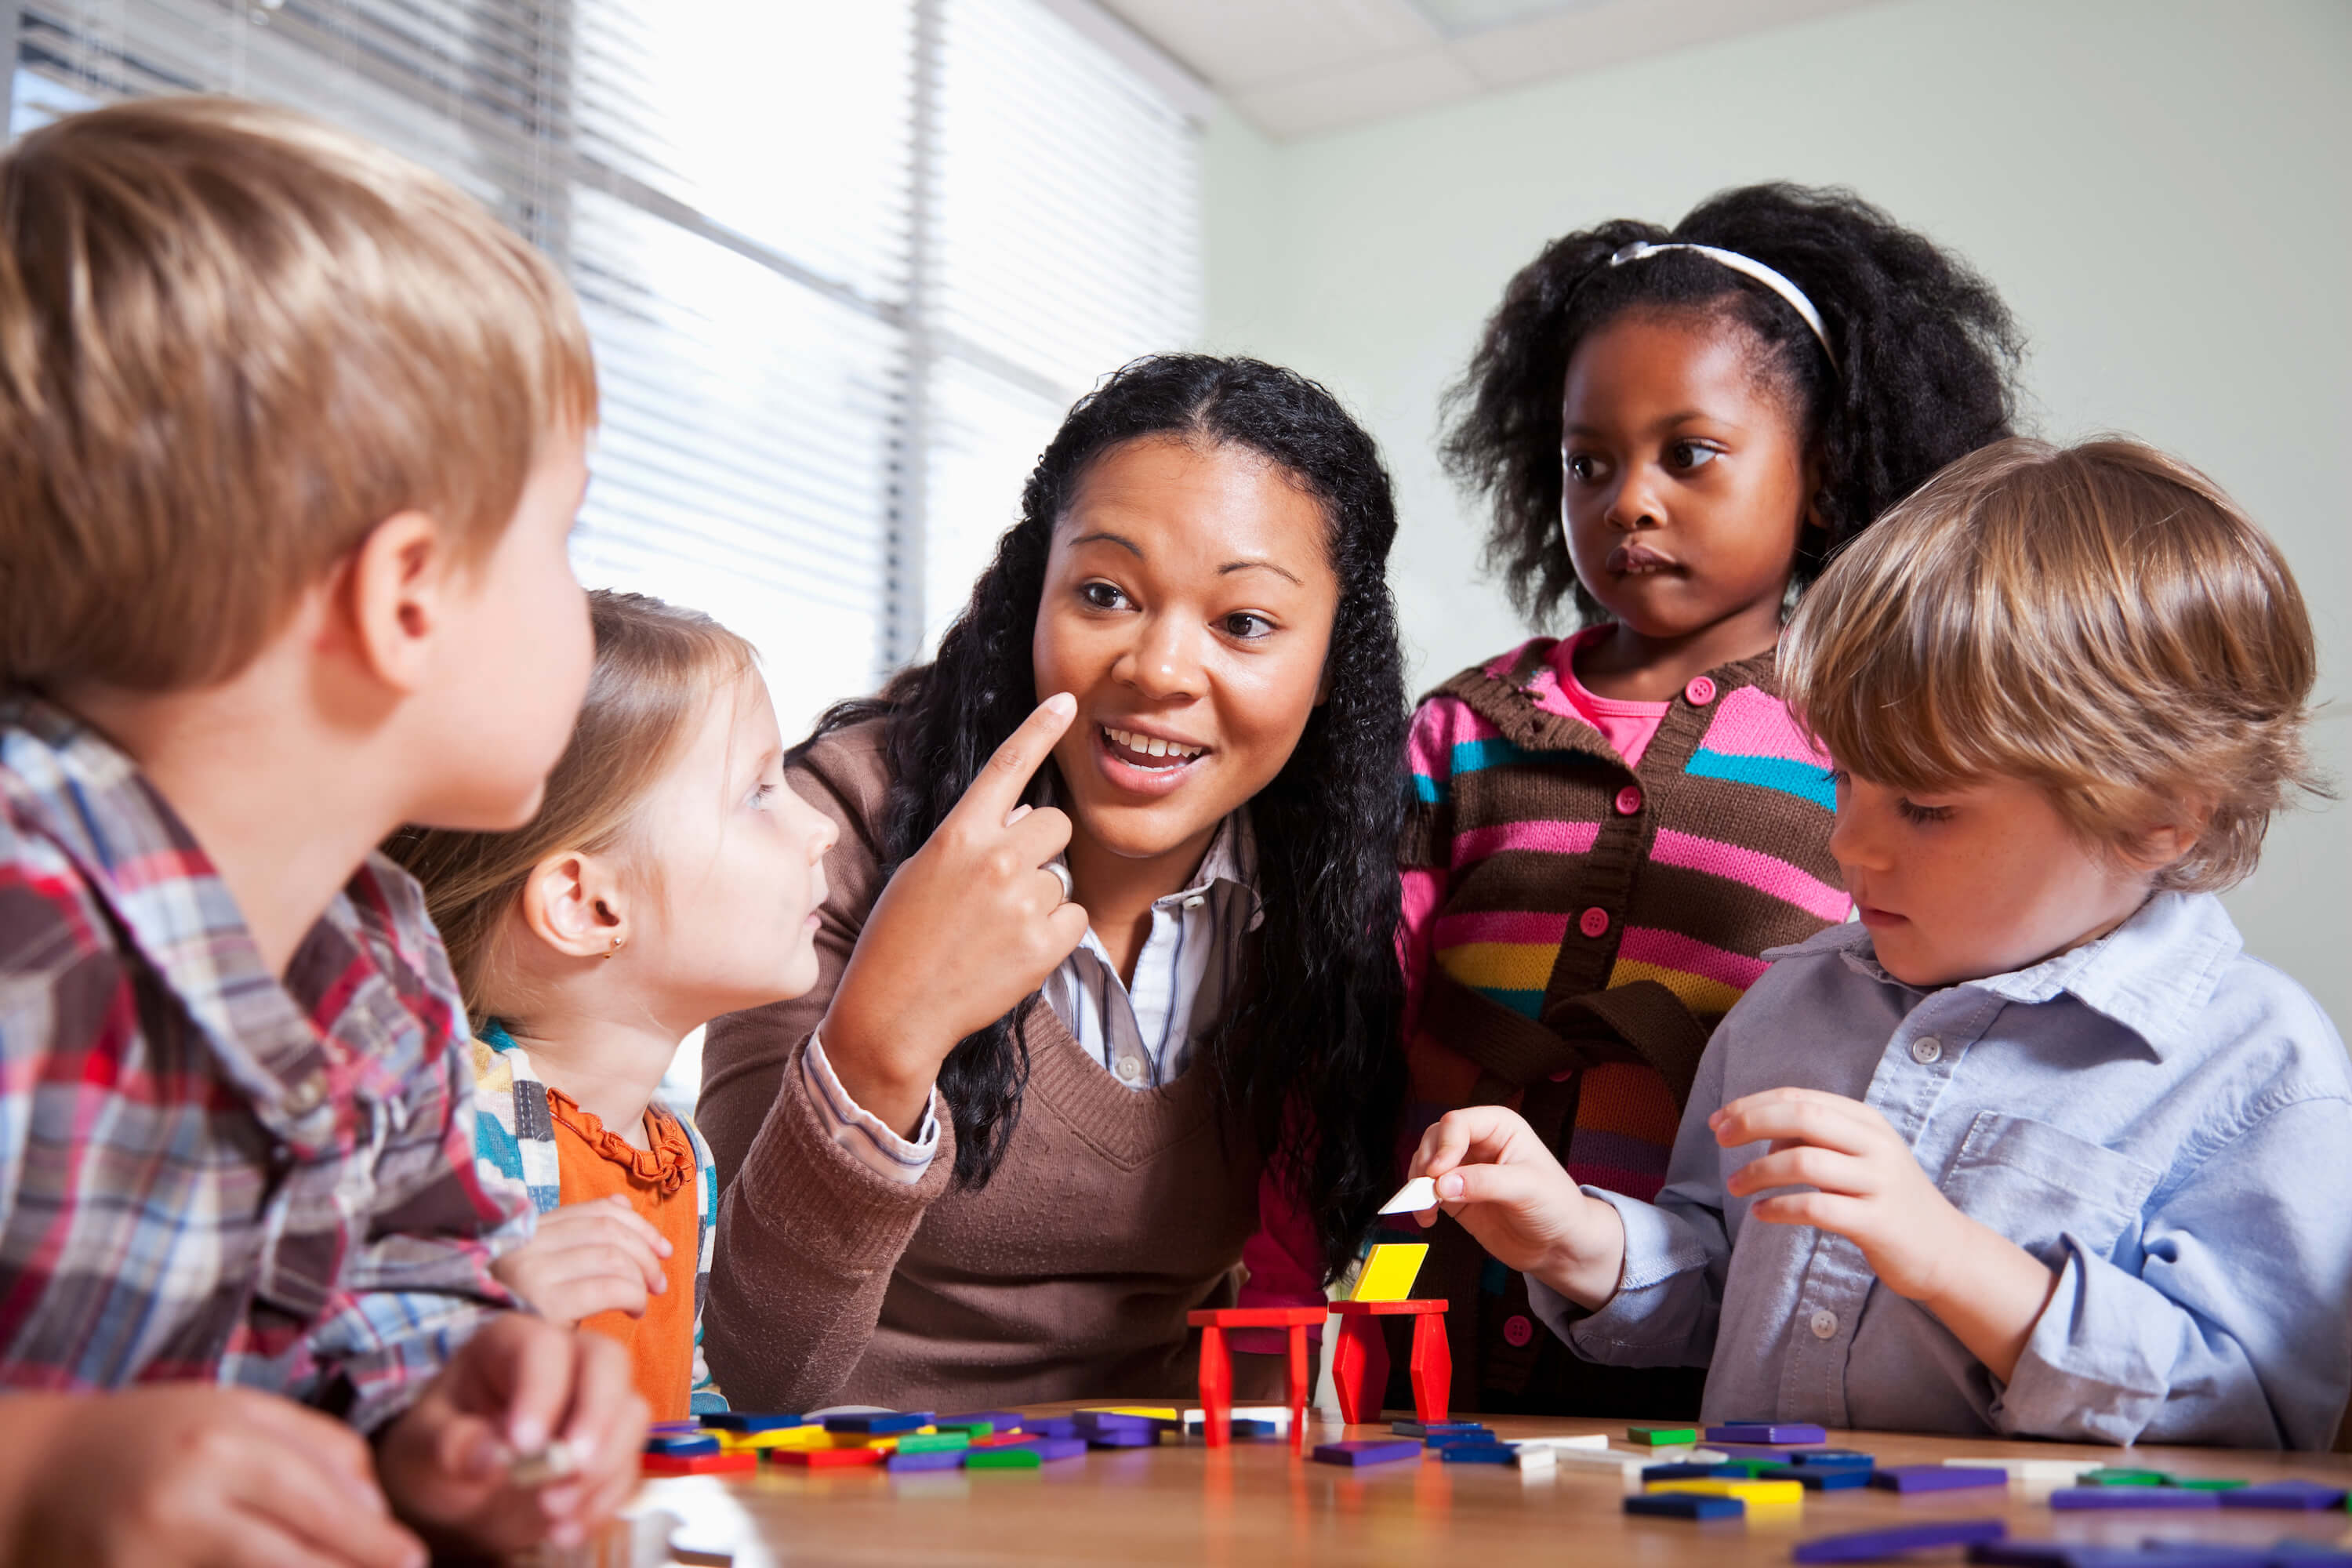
[{"x": 845, "y": 265}]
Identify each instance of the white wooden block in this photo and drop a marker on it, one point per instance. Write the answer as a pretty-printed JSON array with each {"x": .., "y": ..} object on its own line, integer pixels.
[
  {"x": 1597, "y": 1441},
  {"x": 1415, "y": 1195},
  {"x": 2060, "y": 1472}
]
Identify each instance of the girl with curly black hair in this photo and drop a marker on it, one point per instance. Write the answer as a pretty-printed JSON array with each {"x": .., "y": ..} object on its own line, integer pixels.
[
  {"x": 1009, "y": 1140},
  {"x": 1674, "y": 428}
]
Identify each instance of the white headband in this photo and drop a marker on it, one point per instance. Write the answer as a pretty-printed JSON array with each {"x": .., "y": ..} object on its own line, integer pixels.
[{"x": 1748, "y": 266}]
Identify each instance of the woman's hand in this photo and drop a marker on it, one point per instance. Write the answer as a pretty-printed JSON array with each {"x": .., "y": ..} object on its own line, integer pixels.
[
  {"x": 1870, "y": 1189},
  {"x": 597, "y": 1257},
  {"x": 969, "y": 925},
  {"x": 1495, "y": 1176}
]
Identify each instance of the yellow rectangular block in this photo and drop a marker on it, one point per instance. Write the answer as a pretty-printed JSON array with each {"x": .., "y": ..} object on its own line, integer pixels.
[
  {"x": 1389, "y": 1273},
  {"x": 788, "y": 1438},
  {"x": 1148, "y": 1411},
  {"x": 1746, "y": 1491}
]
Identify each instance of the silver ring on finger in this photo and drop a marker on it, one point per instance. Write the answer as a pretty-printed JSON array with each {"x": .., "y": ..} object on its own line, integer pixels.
[{"x": 1061, "y": 874}]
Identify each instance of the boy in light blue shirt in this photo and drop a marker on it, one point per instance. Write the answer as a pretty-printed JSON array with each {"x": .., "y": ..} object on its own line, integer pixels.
[{"x": 2036, "y": 1148}]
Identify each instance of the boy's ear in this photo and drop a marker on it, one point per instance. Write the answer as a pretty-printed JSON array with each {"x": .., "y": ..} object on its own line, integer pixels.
[
  {"x": 396, "y": 595},
  {"x": 574, "y": 902}
]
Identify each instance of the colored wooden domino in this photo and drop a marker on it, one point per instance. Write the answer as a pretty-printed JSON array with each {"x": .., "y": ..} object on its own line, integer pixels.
[
  {"x": 1746, "y": 1491},
  {"x": 750, "y": 1420},
  {"x": 2033, "y": 1472},
  {"x": 697, "y": 1464},
  {"x": 1782, "y": 1432},
  {"x": 1478, "y": 1454},
  {"x": 1873, "y": 1545},
  {"x": 1913, "y": 1479},
  {"x": 2079, "y": 1499},
  {"x": 1817, "y": 1477},
  {"x": 1677, "y": 1505},
  {"x": 1659, "y": 1437},
  {"x": 2299, "y": 1495},
  {"x": 823, "y": 1459},
  {"x": 678, "y": 1446},
  {"x": 880, "y": 1424},
  {"x": 1427, "y": 1429},
  {"x": 1365, "y": 1451},
  {"x": 904, "y": 1463},
  {"x": 1389, "y": 1271},
  {"x": 934, "y": 1443}
]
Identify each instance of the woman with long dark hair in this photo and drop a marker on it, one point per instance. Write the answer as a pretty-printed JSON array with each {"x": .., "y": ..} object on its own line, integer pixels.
[{"x": 1098, "y": 972}]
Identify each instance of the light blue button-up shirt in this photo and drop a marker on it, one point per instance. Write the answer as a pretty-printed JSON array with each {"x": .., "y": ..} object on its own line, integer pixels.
[{"x": 2162, "y": 1120}]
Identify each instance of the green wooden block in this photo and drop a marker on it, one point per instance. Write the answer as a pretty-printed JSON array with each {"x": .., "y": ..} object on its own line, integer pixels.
[
  {"x": 2206, "y": 1484},
  {"x": 933, "y": 1442},
  {"x": 1660, "y": 1436},
  {"x": 970, "y": 1429},
  {"x": 1014, "y": 1457},
  {"x": 2113, "y": 1477}
]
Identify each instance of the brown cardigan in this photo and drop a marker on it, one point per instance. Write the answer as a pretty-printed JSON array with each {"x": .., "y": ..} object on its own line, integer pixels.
[{"x": 1115, "y": 1211}]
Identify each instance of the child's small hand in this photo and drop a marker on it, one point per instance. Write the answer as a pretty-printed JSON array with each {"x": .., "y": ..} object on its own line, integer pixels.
[
  {"x": 1495, "y": 1176},
  {"x": 597, "y": 1257},
  {"x": 1872, "y": 1190},
  {"x": 514, "y": 1387},
  {"x": 190, "y": 1474}
]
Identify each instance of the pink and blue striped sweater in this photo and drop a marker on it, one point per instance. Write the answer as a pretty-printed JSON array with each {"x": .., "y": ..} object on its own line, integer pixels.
[{"x": 1574, "y": 928}]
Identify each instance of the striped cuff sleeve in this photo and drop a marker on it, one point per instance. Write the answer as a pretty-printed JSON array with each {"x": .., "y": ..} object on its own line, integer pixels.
[{"x": 860, "y": 1131}]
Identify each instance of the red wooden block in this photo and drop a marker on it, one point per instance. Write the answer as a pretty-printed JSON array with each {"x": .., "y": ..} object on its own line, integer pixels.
[
  {"x": 1256, "y": 1317},
  {"x": 1432, "y": 1367},
  {"x": 1360, "y": 1366},
  {"x": 1418, "y": 1306},
  {"x": 1216, "y": 1366},
  {"x": 697, "y": 1464},
  {"x": 826, "y": 1458}
]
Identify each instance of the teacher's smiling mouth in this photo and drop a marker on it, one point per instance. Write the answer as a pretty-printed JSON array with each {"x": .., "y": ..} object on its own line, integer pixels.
[{"x": 1145, "y": 761}]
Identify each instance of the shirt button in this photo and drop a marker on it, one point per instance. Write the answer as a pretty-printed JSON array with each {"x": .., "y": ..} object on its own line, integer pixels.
[
  {"x": 304, "y": 1097},
  {"x": 1594, "y": 922},
  {"x": 1699, "y": 693},
  {"x": 1517, "y": 1331},
  {"x": 1926, "y": 1049},
  {"x": 1629, "y": 801},
  {"x": 1195, "y": 901},
  {"x": 1129, "y": 1069},
  {"x": 1824, "y": 1325}
]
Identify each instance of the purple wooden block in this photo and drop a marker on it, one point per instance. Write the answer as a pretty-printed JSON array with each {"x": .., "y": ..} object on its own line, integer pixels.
[
  {"x": 1367, "y": 1451},
  {"x": 1934, "y": 1478},
  {"x": 2288, "y": 1494},
  {"x": 2288, "y": 1550},
  {"x": 1049, "y": 1427},
  {"x": 2150, "y": 1555},
  {"x": 998, "y": 1420},
  {"x": 1869, "y": 1545},
  {"x": 1766, "y": 1432},
  {"x": 1123, "y": 1437},
  {"x": 1048, "y": 1449},
  {"x": 930, "y": 1459},
  {"x": 2084, "y": 1499},
  {"x": 1113, "y": 1421},
  {"x": 1772, "y": 1453}
]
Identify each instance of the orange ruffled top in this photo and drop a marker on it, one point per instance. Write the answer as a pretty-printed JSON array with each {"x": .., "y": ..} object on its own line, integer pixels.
[{"x": 595, "y": 1162}]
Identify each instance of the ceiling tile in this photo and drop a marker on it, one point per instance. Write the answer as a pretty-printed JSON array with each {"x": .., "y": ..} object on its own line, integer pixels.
[
  {"x": 1357, "y": 93},
  {"x": 1620, "y": 30},
  {"x": 1242, "y": 44}
]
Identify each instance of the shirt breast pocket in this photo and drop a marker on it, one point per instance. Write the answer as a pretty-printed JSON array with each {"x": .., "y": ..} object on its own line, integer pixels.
[{"x": 2036, "y": 1185}]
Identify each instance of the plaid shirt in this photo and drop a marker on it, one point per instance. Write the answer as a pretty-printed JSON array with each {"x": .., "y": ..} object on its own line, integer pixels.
[{"x": 206, "y": 1173}]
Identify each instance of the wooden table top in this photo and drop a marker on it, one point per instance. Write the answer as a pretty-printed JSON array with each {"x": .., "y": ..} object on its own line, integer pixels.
[{"x": 1253, "y": 1504}]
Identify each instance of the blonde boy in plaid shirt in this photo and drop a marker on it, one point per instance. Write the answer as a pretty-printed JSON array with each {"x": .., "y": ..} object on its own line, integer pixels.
[{"x": 291, "y": 434}]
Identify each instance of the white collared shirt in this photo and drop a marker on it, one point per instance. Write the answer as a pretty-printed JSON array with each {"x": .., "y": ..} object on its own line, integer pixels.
[{"x": 1143, "y": 1034}]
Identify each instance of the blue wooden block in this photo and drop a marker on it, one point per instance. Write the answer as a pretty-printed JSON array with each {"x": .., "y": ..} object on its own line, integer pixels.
[
  {"x": 1907, "y": 1478},
  {"x": 1772, "y": 1453},
  {"x": 880, "y": 1424},
  {"x": 1818, "y": 1477},
  {"x": 1766, "y": 1432},
  {"x": 1479, "y": 1454},
  {"x": 1684, "y": 1505},
  {"x": 2110, "y": 1499},
  {"x": 679, "y": 1446},
  {"x": 751, "y": 1420},
  {"x": 2288, "y": 1494},
  {"x": 1367, "y": 1451},
  {"x": 1836, "y": 1456},
  {"x": 929, "y": 1460},
  {"x": 1871, "y": 1546},
  {"x": 1449, "y": 1440},
  {"x": 1433, "y": 1429},
  {"x": 2289, "y": 1550}
]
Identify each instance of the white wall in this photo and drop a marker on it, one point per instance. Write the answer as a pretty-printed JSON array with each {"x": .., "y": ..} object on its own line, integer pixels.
[{"x": 2159, "y": 190}]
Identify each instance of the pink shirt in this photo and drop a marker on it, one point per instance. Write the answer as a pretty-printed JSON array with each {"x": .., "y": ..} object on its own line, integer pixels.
[{"x": 1628, "y": 726}]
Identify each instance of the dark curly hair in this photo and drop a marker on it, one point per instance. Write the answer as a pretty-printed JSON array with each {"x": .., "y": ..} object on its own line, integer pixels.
[
  {"x": 1925, "y": 356},
  {"x": 1305, "y": 1061}
]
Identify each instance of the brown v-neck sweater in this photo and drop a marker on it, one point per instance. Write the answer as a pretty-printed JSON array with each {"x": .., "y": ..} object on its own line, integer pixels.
[{"x": 1114, "y": 1213}]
